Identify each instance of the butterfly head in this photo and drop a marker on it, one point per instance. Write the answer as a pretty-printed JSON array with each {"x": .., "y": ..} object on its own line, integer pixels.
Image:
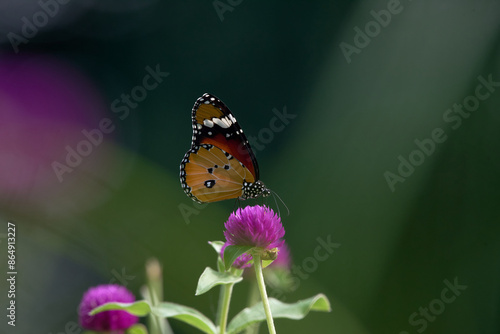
[{"x": 254, "y": 190}]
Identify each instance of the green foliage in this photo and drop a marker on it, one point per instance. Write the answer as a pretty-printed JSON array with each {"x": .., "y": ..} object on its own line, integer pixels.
[
  {"x": 242, "y": 320},
  {"x": 139, "y": 308},
  {"x": 210, "y": 278},
  {"x": 217, "y": 245},
  {"x": 185, "y": 314},
  {"x": 137, "y": 329},
  {"x": 231, "y": 253},
  {"x": 279, "y": 309}
]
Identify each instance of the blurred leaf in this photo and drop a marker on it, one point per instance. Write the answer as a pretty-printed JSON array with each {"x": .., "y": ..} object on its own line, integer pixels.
[
  {"x": 220, "y": 265},
  {"x": 185, "y": 314},
  {"x": 296, "y": 311},
  {"x": 211, "y": 278},
  {"x": 139, "y": 308},
  {"x": 217, "y": 245},
  {"x": 137, "y": 329}
]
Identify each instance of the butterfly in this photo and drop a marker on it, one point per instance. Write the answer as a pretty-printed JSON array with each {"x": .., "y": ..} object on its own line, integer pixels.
[{"x": 220, "y": 164}]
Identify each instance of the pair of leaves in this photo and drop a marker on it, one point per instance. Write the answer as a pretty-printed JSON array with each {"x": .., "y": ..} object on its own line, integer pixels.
[
  {"x": 210, "y": 278},
  {"x": 242, "y": 320},
  {"x": 231, "y": 253},
  {"x": 166, "y": 310}
]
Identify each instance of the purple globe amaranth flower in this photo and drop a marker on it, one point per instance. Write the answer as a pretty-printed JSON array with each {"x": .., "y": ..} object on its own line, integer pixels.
[
  {"x": 241, "y": 261},
  {"x": 256, "y": 226},
  {"x": 115, "y": 321}
]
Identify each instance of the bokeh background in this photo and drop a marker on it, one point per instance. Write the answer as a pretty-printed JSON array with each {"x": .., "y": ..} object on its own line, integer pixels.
[{"x": 354, "y": 116}]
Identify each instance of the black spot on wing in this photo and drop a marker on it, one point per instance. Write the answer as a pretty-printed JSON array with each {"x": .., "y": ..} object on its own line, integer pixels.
[{"x": 209, "y": 183}]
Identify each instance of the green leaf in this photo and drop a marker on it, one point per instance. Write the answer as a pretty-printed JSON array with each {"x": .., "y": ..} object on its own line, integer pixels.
[
  {"x": 220, "y": 265},
  {"x": 185, "y": 314},
  {"x": 231, "y": 253},
  {"x": 265, "y": 263},
  {"x": 296, "y": 311},
  {"x": 211, "y": 278},
  {"x": 139, "y": 308},
  {"x": 217, "y": 245},
  {"x": 137, "y": 329}
]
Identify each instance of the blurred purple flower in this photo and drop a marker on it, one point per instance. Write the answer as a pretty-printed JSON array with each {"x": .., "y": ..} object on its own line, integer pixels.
[
  {"x": 107, "y": 320},
  {"x": 284, "y": 259},
  {"x": 45, "y": 104},
  {"x": 255, "y": 226}
]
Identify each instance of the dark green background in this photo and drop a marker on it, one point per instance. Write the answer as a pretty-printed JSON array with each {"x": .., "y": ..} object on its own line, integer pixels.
[{"x": 352, "y": 122}]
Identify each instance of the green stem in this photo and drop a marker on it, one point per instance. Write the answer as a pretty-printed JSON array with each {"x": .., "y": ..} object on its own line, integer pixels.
[
  {"x": 257, "y": 262},
  {"x": 218, "y": 315},
  {"x": 157, "y": 324},
  {"x": 224, "y": 311},
  {"x": 154, "y": 287}
]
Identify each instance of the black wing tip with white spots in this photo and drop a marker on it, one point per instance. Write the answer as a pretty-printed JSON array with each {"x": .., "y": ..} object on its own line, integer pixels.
[
  {"x": 209, "y": 98},
  {"x": 235, "y": 128}
]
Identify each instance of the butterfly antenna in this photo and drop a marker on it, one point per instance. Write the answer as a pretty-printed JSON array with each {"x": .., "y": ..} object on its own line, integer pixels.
[
  {"x": 276, "y": 195},
  {"x": 277, "y": 206}
]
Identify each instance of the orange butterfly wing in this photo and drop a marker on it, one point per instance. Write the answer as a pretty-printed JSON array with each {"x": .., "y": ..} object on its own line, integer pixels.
[{"x": 213, "y": 176}]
